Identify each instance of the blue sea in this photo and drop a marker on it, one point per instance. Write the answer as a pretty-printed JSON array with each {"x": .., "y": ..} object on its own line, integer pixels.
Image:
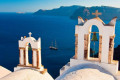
[{"x": 50, "y": 28}]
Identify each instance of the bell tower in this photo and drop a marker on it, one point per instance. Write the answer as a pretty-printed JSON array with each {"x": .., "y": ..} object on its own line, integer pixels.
[
  {"x": 106, "y": 45},
  {"x": 36, "y": 54},
  {"x": 106, "y": 39}
]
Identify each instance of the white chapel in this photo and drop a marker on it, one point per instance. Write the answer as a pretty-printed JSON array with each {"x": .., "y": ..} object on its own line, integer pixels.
[
  {"x": 84, "y": 67},
  {"x": 25, "y": 70}
]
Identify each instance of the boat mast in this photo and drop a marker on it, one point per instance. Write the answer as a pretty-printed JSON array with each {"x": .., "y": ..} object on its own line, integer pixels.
[
  {"x": 52, "y": 44},
  {"x": 55, "y": 44}
]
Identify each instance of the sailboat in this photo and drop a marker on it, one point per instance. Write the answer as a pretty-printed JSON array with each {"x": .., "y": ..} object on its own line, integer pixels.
[{"x": 53, "y": 47}]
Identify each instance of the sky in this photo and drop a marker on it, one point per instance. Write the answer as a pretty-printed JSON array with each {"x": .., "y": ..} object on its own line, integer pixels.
[{"x": 34, "y": 5}]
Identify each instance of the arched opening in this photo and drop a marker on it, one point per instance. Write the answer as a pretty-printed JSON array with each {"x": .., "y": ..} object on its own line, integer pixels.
[
  {"x": 29, "y": 53},
  {"x": 94, "y": 42}
]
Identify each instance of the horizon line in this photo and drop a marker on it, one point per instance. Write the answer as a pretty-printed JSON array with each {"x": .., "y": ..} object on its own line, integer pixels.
[{"x": 56, "y": 8}]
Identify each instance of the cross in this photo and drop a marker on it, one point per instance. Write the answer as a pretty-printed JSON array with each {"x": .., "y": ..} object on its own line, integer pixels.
[
  {"x": 96, "y": 13},
  {"x": 30, "y": 34}
]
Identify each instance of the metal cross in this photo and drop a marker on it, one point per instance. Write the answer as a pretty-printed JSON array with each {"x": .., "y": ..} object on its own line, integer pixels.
[
  {"x": 96, "y": 13},
  {"x": 30, "y": 34}
]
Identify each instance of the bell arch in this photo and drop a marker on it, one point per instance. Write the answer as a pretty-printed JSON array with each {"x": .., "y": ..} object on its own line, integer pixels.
[
  {"x": 84, "y": 32},
  {"x": 87, "y": 43},
  {"x": 82, "y": 44},
  {"x": 36, "y": 52},
  {"x": 87, "y": 26},
  {"x": 30, "y": 54},
  {"x": 106, "y": 47},
  {"x": 94, "y": 42}
]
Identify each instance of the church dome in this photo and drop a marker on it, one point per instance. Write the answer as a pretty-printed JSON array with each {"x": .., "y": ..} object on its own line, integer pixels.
[
  {"x": 27, "y": 74},
  {"x": 86, "y": 71},
  {"x": 88, "y": 74}
]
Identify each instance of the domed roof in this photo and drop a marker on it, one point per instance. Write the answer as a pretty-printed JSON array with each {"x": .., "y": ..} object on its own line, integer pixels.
[
  {"x": 4, "y": 71},
  {"x": 27, "y": 74},
  {"x": 88, "y": 74},
  {"x": 87, "y": 69}
]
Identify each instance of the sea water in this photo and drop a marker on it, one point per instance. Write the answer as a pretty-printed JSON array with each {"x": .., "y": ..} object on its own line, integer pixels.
[{"x": 13, "y": 26}]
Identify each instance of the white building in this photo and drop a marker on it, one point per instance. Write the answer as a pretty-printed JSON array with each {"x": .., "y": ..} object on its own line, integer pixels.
[{"x": 82, "y": 59}]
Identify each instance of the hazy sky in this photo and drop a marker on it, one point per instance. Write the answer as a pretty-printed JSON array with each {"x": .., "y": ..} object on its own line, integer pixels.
[{"x": 34, "y": 5}]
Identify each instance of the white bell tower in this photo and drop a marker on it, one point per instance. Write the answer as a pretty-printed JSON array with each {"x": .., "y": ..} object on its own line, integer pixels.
[
  {"x": 36, "y": 54},
  {"x": 106, "y": 45}
]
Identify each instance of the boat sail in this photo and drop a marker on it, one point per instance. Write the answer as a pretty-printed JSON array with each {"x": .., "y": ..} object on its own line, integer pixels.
[{"x": 53, "y": 47}]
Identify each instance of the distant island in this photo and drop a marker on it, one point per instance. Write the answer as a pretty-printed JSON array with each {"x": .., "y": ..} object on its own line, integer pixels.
[
  {"x": 20, "y": 12},
  {"x": 85, "y": 12}
]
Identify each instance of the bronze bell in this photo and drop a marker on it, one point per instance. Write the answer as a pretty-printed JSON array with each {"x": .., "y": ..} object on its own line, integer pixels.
[
  {"x": 94, "y": 37},
  {"x": 29, "y": 47}
]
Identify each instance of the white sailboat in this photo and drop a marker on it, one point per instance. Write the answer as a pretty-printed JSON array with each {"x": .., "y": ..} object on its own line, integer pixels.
[{"x": 53, "y": 47}]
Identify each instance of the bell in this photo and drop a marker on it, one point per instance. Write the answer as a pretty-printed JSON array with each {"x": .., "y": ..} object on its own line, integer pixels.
[
  {"x": 94, "y": 37},
  {"x": 29, "y": 47}
]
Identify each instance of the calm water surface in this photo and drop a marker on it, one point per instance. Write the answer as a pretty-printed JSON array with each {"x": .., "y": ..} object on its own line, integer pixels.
[{"x": 49, "y": 28}]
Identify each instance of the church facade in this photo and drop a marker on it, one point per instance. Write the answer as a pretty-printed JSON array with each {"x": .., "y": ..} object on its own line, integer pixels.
[
  {"x": 106, "y": 46},
  {"x": 36, "y": 54}
]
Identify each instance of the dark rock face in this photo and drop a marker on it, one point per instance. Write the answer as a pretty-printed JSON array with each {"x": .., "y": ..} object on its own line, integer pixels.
[
  {"x": 85, "y": 12},
  {"x": 62, "y": 11}
]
